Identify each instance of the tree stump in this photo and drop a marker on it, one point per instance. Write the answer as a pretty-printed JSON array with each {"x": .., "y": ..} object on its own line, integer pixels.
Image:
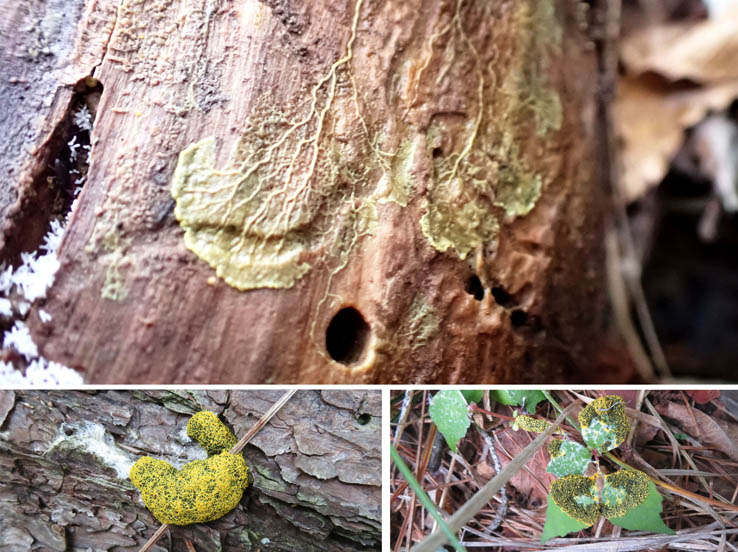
[
  {"x": 361, "y": 191},
  {"x": 316, "y": 468}
]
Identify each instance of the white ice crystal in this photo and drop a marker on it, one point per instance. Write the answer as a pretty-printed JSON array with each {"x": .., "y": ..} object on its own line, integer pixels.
[
  {"x": 6, "y": 279},
  {"x": 73, "y": 145},
  {"x": 39, "y": 373},
  {"x": 83, "y": 118},
  {"x": 6, "y": 308},
  {"x": 30, "y": 281},
  {"x": 19, "y": 338}
]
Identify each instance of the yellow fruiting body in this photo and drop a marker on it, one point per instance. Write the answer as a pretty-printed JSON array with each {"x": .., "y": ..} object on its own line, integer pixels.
[
  {"x": 203, "y": 490},
  {"x": 529, "y": 423},
  {"x": 622, "y": 491},
  {"x": 578, "y": 496},
  {"x": 603, "y": 422},
  {"x": 210, "y": 433}
]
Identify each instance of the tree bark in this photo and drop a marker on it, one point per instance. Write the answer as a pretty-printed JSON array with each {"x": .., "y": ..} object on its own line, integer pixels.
[
  {"x": 316, "y": 467},
  {"x": 396, "y": 191}
]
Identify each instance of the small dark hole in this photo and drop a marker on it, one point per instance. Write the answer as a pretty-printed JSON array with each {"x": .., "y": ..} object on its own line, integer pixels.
[
  {"x": 474, "y": 287},
  {"x": 518, "y": 318},
  {"x": 68, "y": 431},
  {"x": 364, "y": 418},
  {"x": 437, "y": 152},
  {"x": 502, "y": 298},
  {"x": 347, "y": 336}
]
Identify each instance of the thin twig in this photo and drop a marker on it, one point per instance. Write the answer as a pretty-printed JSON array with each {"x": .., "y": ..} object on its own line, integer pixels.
[
  {"x": 155, "y": 537},
  {"x": 268, "y": 415},
  {"x": 235, "y": 450},
  {"x": 502, "y": 510},
  {"x": 406, "y": 400}
]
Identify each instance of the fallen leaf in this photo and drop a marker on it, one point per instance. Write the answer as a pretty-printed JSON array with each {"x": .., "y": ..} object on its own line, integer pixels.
[
  {"x": 650, "y": 117},
  {"x": 533, "y": 483},
  {"x": 702, "y": 396},
  {"x": 703, "y": 51},
  {"x": 709, "y": 431}
]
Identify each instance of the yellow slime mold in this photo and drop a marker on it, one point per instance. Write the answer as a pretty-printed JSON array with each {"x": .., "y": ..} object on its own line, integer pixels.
[{"x": 203, "y": 490}]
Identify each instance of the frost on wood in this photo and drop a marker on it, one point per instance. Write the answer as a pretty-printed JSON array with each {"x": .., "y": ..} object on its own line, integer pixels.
[
  {"x": 19, "y": 288},
  {"x": 92, "y": 438}
]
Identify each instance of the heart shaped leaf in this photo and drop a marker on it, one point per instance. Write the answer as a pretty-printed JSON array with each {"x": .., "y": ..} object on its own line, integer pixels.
[
  {"x": 578, "y": 497},
  {"x": 622, "y": 491},
  {"x": 603, "y": 423},
  {"x": 450, "y": 412},
  {"x": 646, "y": 516},
  {"x": 559, "y": 523},
  {"x": 567, "y": 458}
]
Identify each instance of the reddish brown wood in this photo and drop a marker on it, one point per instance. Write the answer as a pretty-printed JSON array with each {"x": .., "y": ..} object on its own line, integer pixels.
[{"x": 176, "y": 72}]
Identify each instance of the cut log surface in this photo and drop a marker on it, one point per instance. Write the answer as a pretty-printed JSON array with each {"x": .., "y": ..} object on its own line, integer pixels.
[
  {"x": 316, "y": 469},
  {"x": 363, "y": 191}
]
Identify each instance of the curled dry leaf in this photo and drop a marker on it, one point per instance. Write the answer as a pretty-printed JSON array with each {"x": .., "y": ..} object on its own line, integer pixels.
[
  {"x": 654, "y": 106},
  {"x": 708, "y": 430},
  {"x": 702, "y": 396},
  {"x": 650, "y": 118},
  {"x": 703, "y": 52}
]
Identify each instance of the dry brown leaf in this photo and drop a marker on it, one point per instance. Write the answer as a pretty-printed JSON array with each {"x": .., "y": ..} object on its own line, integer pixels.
[
  {"x": 533, "y": 483},
  {"x": 644, "y": 433},
  {"x": 650, "y": 118},
  {"x": 702, "y": 396},
  {"x": 704, "y": 52},
  {"x": 710, "y": 432}
]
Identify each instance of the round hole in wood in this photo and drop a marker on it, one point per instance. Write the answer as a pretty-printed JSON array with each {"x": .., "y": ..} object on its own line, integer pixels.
[
  {"x": 474, "y": 287},
  {"x": 518, "y": 318},
  {"x": 347, "y": 336}
]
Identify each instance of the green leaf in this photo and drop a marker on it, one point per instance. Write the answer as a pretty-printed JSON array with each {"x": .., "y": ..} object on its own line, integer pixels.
[
  {"x": 528, "y": 398},
  {"x": 472, "y": 395},
  {"x": 567, "y": 458},
  {"x": 622, "y": 491},
  {"x": 450, "y": 412},
  {"x": 603, "y": 422},
  {"x": 578, "y": 497},
  {"x": 647, "y": 516},
  {"x": 559, "y": 523}
]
